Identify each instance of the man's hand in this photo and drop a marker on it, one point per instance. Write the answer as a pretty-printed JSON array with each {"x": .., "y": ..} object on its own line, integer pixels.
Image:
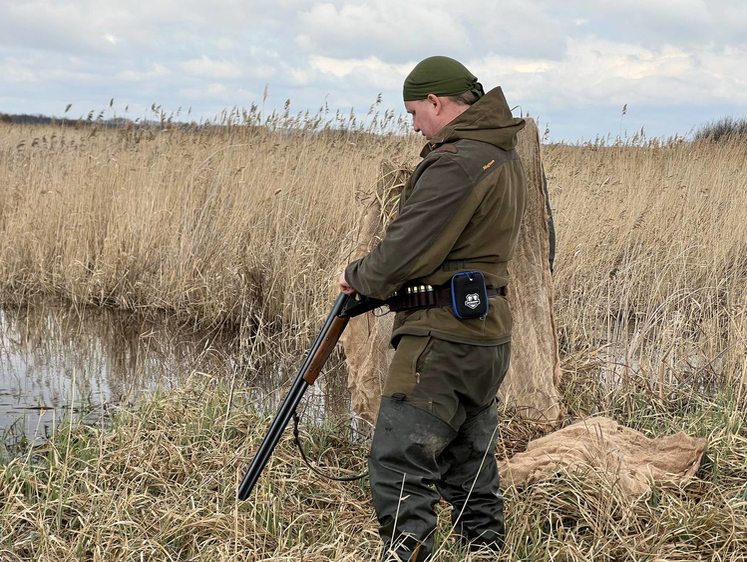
[{"x": 344, "y": 287}]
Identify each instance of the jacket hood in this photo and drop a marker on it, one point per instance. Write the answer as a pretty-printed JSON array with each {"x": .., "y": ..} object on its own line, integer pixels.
[{"x": 487, "y": 120}]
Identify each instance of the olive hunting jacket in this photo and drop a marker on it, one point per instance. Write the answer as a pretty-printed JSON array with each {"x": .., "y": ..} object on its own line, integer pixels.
[{"x": 459, "y": 211}]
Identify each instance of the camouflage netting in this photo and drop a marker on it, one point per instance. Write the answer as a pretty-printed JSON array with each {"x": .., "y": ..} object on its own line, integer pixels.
[
  {"x": 602, "y": 447},
  {"x": 366, "y": 338},
  {"x": 531, "y": 385}
]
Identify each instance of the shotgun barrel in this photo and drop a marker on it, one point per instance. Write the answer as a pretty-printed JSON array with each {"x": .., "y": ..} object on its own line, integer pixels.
[{"x": 345, "y": 307}]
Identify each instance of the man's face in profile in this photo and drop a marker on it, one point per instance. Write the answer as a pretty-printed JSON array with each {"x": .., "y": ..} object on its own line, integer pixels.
[{"x": 424, "y": 117}]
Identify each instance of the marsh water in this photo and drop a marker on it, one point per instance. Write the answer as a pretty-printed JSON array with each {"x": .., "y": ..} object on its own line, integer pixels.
[
  {"x": 58, "y": 363},
  {"x": 61, "y": 363}
]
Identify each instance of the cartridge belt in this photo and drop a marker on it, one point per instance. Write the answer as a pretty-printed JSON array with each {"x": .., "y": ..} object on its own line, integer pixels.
[{"x": 413, "y": 297}]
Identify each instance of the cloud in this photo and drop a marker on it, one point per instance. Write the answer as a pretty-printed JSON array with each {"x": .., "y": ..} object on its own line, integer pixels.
[
  {"x": 378, "y": 27},
  {"x": 109, "y": 27},
  {"x": 651, "y": 24},
  {"x": 599, "y": 72},
  {"x": 401, "y": 32},
  {"x": 156, "y": 71},
  {"x": 205, "y": 66},
  {"x": 371, "y": 71},
  {"x": 299, "y": 77},
  {"x": 17, "y": 70},
  {"x": 550, "y": 57},
  {"x": 262, "y": 71},
  {"x": 212, "y": 91},
  {"x": 226, "y": 44},
  {"x": 55, "y": 26}
]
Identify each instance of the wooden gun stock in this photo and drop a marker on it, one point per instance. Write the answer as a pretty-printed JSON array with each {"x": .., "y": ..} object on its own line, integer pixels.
[{"x": 326, "y": 348}]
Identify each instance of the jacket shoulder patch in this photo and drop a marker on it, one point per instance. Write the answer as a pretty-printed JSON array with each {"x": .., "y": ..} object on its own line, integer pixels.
[{"x": 447, "y": 148}]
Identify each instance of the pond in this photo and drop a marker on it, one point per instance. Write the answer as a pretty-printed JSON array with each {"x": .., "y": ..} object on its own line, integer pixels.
[
  {"x": 61, "y": 362},
  {"x": 57, "y": 362}
]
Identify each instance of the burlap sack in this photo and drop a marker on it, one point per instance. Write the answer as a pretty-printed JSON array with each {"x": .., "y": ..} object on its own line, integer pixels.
[
  {"x": 531, "y": 385},
  {"x": 366, "y": 338},
  {"x": 610, "y": 450}
]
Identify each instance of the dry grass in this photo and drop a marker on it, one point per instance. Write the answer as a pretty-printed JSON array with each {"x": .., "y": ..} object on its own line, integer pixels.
[
  {"x": 238, "y": 226},
  {"x": 245, "y": 228},
  {"x": 161, "y": 485},
  {"x": 652, "y": 258}
]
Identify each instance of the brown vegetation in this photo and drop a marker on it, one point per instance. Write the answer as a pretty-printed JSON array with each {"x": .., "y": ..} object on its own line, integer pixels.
[
  {"x": 244, "y": 227},
  {"x": 237, "y": 226}
]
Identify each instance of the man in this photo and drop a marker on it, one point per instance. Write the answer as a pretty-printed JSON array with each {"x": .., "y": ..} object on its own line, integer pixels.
[{"x": 459, "y": 212}]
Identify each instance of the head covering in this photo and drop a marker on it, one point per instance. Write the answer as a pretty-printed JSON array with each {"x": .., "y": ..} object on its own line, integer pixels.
[{"x": 440, "y": 76}]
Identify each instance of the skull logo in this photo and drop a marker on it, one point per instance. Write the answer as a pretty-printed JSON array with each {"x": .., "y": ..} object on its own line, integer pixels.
[{"x": 472, "y": 300}]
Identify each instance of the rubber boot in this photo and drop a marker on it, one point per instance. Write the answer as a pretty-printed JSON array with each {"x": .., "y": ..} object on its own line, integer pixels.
[
  {"x": 403, "y": 472},
  {"x": 470, "y": 482}
]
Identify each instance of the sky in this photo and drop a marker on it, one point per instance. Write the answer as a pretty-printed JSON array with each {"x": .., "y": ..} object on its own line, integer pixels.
[{"x": 571, "y": 64}]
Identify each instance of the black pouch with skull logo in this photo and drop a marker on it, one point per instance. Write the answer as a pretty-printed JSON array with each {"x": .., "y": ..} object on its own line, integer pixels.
[{"x": 469, "y": 294}]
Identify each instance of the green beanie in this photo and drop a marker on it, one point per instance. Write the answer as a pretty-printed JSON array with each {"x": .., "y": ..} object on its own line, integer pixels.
[{"x": 440, "y": 76}]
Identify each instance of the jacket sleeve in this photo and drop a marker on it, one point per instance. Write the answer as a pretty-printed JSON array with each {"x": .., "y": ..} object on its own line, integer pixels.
[{"x": 418, "y": 241}]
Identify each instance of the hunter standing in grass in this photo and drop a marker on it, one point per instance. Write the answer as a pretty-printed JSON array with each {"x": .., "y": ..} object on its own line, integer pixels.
[{"x": 459, "y": 213}]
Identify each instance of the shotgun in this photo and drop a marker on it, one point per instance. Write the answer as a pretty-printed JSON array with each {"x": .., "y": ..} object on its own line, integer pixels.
[{"x": 345, "y": 307}]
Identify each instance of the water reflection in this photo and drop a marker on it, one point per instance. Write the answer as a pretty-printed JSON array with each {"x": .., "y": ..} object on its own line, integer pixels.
[
  {"x": 54, "y": 362},
  {"x": 57, "y": 362}
]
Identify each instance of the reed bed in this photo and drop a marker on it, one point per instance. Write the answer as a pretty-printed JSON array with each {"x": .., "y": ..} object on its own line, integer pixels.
[
  {"x": 223, "y": 224},
  {"x": 244, "y": 227},
  {"x": 652, "y": 260}
]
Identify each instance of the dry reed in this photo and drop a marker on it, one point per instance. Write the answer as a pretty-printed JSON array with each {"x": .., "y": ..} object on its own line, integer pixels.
[{"x": 245, "y": 227}]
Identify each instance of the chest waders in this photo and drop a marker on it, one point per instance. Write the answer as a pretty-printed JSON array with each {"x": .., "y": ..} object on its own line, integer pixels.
[{"x": 417, "y": 456}]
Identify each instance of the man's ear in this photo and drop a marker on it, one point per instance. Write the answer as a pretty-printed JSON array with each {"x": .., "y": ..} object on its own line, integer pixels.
[{"x": 436, "y": 102}]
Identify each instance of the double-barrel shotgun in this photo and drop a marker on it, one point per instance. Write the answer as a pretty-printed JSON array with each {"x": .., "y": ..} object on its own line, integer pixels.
[{"x": 345, "y": 307}]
